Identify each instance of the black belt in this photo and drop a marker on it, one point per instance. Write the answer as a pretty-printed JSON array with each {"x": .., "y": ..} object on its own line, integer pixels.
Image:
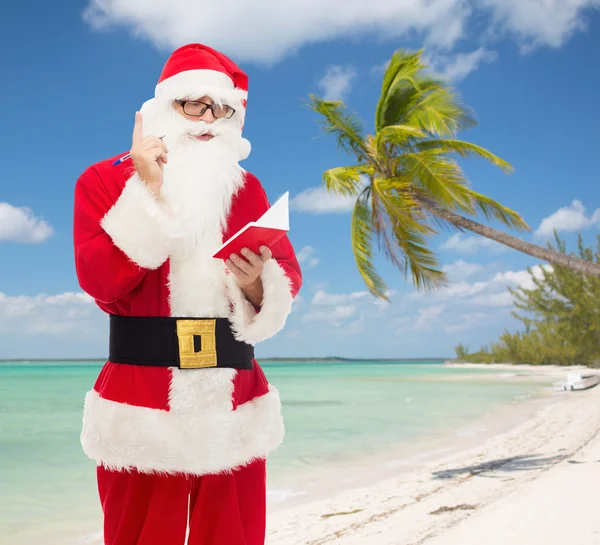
[{"x": 187, "y": 343}]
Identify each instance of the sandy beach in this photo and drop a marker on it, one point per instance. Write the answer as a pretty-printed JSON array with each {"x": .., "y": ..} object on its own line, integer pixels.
[{"x": 530, "y": 483}]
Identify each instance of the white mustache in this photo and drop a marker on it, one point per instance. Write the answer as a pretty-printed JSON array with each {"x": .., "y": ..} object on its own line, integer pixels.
[
  {"x": 163, "y": 119},
  {"x": 198, "y": 128}
]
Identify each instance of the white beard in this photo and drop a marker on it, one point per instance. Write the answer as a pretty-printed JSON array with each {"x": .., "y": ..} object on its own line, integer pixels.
[{"x": 200, "y": 177}]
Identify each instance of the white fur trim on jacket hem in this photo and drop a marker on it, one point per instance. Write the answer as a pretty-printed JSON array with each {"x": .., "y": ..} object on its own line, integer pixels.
[
  {"x": 251, "y": 326},
  {"x": 125, "y": 437},
  {"x": 136, "y": 225}
]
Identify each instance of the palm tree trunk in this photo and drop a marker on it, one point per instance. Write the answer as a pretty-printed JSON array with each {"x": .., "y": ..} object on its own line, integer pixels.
[{"x": 551, "y": 256}]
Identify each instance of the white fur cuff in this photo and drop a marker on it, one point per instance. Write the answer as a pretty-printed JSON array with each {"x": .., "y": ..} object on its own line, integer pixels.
[
  {"x": 251, "y": 326},
  {"x": 136, "y": 224}
]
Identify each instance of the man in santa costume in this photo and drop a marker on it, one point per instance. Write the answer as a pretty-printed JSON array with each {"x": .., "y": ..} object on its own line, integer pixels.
[{"x": 181, "y": 418}]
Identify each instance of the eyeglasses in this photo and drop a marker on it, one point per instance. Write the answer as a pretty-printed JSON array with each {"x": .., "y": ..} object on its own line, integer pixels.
[{"x": 196, "y": 108}]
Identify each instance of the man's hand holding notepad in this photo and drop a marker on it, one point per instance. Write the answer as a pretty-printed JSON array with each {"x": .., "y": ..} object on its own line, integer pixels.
[{"x": 265, "y": 231}]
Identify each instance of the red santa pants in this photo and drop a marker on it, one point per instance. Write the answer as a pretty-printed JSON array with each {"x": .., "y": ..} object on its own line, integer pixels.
[{"x": 142, "y": 509}]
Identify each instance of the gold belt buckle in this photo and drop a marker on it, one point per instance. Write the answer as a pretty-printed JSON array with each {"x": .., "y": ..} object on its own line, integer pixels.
[{"x": 187, "y": 332}]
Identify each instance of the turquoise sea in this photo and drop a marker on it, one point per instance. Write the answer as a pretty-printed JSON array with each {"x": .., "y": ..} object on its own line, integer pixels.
[{"x": 334, "y": 413}]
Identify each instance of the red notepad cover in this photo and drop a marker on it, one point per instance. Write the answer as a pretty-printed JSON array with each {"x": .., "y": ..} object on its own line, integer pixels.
[
  {"x": 252, "y": 238},
  {"x": 265, "y": 231}
]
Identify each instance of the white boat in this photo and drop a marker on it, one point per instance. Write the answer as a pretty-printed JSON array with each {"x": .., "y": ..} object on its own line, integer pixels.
[{"x": 577, "y": 381}]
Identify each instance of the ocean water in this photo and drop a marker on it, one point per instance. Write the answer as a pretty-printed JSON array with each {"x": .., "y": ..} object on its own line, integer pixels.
[{"x": 334, "y": 413}]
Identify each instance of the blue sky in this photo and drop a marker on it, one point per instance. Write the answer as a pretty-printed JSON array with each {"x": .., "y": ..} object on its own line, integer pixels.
[{"x": 74, "y": 74}]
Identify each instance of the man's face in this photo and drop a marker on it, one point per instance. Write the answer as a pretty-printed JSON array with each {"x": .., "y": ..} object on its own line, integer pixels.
[
  {"x": 203, "y": 109},
  {"x": 195, "y": 124}
]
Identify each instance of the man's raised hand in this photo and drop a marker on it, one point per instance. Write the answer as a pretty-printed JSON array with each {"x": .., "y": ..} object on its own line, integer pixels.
[{"x": 149, "y": 155}]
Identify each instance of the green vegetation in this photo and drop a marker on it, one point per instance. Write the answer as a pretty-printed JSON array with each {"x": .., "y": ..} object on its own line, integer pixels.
[
  {"x": 407, "y": 181},
  {"x": 561, "y": 315}
]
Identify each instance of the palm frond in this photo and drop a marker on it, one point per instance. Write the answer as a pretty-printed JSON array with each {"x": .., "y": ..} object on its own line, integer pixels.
[
  {"x": 412, "y": 96},
  {"x": 464, "y": 149},
  {"x": 397, "y": 88},
  {"x": 492, "y": 209},
  {"x": 347, "y": 180},
  {"x": 347, "y": 128},
  {"x": 441, "y": 179},
  {"x": 380, "y": 222},
  {"x": 406, "y": 234},
  {"x": 400, "y": 135},
  {"x": 362, "y": 246},
  {"x": 438, "y": 176},
  {"x": 439, "y": 111}
]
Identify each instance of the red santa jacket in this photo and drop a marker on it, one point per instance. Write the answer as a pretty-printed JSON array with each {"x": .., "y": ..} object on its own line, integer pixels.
[{"x": 162, "y": 419}]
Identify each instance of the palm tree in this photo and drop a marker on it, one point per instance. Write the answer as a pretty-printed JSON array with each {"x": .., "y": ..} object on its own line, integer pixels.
[{"x": 407, "y": 181}]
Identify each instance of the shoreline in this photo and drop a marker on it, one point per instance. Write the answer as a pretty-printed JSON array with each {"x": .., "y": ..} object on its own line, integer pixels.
[
  {"x": 519, "y": 366},
  {"x": 298, "y": 489},
  {"x": 416, "y": 503}
]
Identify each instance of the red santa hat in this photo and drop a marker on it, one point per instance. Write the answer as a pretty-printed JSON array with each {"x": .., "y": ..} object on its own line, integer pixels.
[{"x": 196, "y": 70}]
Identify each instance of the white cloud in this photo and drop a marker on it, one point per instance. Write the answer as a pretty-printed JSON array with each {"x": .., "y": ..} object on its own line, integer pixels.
[
  {"x": 427, "y": 316},
  {"x": 354, "y": 324},
  {"x": 337, "y": 81},
  {"x": 357, "y": 326},
  {"x": 347, "y": 309},
  {"x": 460, "y": 269},
  {"x": 280, "y": 28},
  {"x": 382, "y": 304},
  {"x": 463, "y": 307},
  {"x": 472, "y": 244},
  {"x": 466, "y": 322},
  {"x": 21, "y": 225},
  {"x": 568, "y": 219},
  {"x": 540, "y": 22},
  {"x": 502, "y": 299},
  {"x": 455, "y": 290},
  {"x": 323, "y": 298},
  {"x": 522, "y": 279},
  {"x": 306, "y": 257},
  {"x": 45, "y": 314},
  {"x": 65, "y": 325},
  {"x": 334, "y": 315},
  {"x": 317, "y": 200},
  {"x": 492, "y": 292},
  {"x": 457, "y": 67}
]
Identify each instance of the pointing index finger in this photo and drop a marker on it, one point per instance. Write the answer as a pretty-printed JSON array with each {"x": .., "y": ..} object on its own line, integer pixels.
[{"x": 137, "y": 128}]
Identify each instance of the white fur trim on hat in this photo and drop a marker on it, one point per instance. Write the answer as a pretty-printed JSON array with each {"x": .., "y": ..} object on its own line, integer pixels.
[
  {"x": 197, "y": 83},
  {"x": 124, "y": 437},
  {"x": 251, "y": 326},
  {"x": 136, "y": 224}
]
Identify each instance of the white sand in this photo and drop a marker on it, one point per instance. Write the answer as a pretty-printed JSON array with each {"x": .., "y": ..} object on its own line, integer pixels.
[{"x": 534, "y": 484}]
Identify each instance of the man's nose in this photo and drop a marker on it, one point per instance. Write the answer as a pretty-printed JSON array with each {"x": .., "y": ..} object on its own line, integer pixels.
[{"x": 208, "y": 116}]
